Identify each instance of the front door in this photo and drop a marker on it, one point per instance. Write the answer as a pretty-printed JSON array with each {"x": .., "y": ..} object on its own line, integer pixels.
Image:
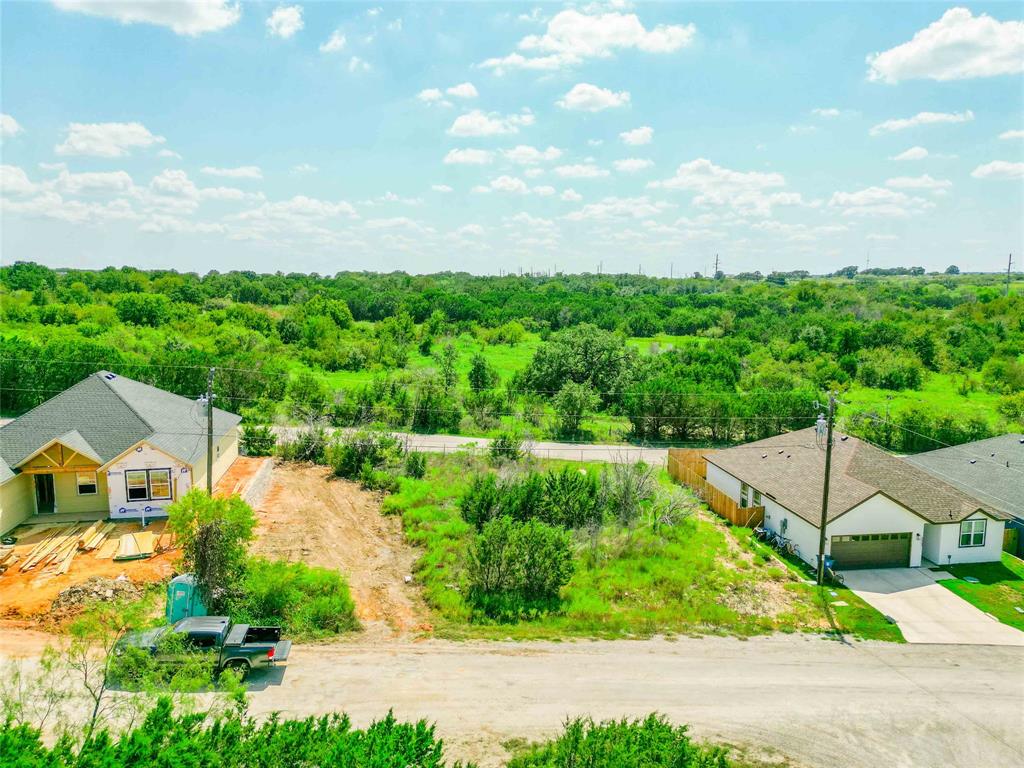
[{"x": 44, "y": 494}]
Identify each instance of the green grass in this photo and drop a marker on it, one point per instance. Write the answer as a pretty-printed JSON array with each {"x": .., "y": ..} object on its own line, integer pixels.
[
  {"x": 940, "y": 392},
  {"x": 695, "y": 577},
  {"x": 1000, "y": 588}
]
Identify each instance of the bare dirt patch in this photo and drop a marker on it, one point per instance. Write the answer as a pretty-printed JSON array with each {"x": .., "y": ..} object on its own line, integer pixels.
[
  {"x": 308, "y": 515},
  {"x": 28, "y": 595}
]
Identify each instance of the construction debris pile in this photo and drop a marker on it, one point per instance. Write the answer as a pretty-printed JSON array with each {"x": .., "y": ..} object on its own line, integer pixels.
[{"x": 96, "y": 589}]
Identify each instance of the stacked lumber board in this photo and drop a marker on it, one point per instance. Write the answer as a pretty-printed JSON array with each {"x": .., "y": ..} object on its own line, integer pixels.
[
  {"x": 95, "y": 536},
  {"x": 136, "y": 546},
  {"x": 58, "y": 547}
]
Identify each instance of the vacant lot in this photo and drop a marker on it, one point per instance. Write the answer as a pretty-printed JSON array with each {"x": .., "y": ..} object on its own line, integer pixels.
[{"x": 310, "y": 516}]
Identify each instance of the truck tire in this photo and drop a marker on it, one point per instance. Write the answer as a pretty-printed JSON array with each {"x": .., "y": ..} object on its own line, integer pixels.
[{"x": 239, "y": 667}]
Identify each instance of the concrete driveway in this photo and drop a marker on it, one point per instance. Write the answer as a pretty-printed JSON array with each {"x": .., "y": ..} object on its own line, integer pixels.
[{"x": 927, "y": 612}]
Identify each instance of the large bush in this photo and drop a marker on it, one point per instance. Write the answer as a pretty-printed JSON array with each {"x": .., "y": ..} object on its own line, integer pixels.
[
  {"x": 645, "y": 743},
  {"x": 888, "y": 369},
  {"x": 307, "y": 601},
  {"x": 516, "y": 569}
]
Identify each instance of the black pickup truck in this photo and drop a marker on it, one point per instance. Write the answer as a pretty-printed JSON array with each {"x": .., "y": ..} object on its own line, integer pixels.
[{"x": 239, "y": 647}]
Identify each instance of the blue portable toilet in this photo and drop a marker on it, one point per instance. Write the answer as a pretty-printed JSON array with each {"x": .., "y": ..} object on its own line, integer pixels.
[{"x": 183, "y": 599}]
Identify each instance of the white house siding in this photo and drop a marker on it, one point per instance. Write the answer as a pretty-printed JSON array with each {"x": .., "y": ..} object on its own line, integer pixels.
[
  {"x": 932, "y": 544},
  {"x": 145, "y": 457},
  {"x": 948, "y": 549},
  {"x": 880, "y": 514},
  {"x": 724, "y": 482},
  {"x": 225, "y": 451},
  {"x": 17, "y": 503}
]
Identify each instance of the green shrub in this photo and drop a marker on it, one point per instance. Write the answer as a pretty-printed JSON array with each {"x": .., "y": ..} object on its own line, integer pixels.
[
  {"x": 415, "y": 465},
  {"x": 518, "y": 569},
  {"x": 506, "y": 447},
  {"x": 354, "y": 451},
  {"x": 306, "y": 601},
  {"x": 479, "y": 503},
  {"x": 888, "y": 369},
  {"x": 377, "y": 479},
  {"x": 652, "y": 741},
  {"x": 571, "y": 498},
  {"x": 258, "y": 440},
  {"x": 232, "y": 740}
]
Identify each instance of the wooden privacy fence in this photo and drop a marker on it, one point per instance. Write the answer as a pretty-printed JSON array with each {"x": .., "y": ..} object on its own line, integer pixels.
[{"x": 689, "y": 467}]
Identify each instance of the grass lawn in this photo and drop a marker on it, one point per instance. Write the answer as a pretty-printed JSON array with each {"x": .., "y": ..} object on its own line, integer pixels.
[
  {"x": 695, "y": 577},
  {"x": 1000, "y": 588},
  {"x": 939, "y": 391}
]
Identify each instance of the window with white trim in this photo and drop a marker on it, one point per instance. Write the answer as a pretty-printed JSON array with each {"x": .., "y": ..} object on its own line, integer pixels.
[
  {"x": 148, "y": 484},
  {"x": 972, "y": 533},
  {"x": 86, "y": 483},
  {"x": 744, "y": 493}
]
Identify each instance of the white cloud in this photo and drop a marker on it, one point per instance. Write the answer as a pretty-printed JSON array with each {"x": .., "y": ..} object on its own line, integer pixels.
[
  {"x": 114, "y": 182},
  {"x": 169, "y": 153},
  {"x": 479, "y": 123},
  {"x": 242, "y": 172},
  {"x": 443, "y": 188},
  {"x": 54, "y": 166},
  {"x": 571, "y": 195},
  {"x": 185, "y": 17},
  {"x": 882, "y": 238},
  {"x": 632, "y": 164},
  {"x": 619, "y": 207},
  {"x": 304, "y": 168},
  {"x": 1014, "y": 134},
  {"x": 106, "y": 139},
  {"x": 299, "y": 207},
  {"x": 914, "y": 153},
  {"x": 14, "y": 181},
  {"x": 581, "y": 171},
  {"x": 285, "y": 21},
  {"x": 999, "y": 169},
  {"x": 750, "y": 192},
  {"x": 430, "y": 95},
  {"x": 356, "y": 64},
  {"x": 526, "y": 155},
  {"x": 591, "y": 98},
  {"x": 544, "y": 190},
  {"x": 826, "y": 112},
  {"x": 802, "y": 130},
  {"x": 470, "y": 230},
  {"x": 468, "y": 157},
  {"x": 573, "y": 36},
  {"x": 958, "y": 46},
  {"x": 919, "y": 182},
  {"x": 509, "y": 184},
  {"x": 463, "y": 91},
  {"x": 638, "y": 136},
  {"x": 921, "y": 118},
  {"x": 9, "y": 126},
  {"x": 333, "y": 44},
  {"x": 878, "y": 201}
]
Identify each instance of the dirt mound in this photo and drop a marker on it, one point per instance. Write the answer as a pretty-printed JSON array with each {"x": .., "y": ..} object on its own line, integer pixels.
[
  {"x": 96, "y": 589},
  {"x": 310, "y": 516}
]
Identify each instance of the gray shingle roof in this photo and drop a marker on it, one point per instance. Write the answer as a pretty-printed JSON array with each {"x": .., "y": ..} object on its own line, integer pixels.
[
  {"x": 790, "y": 468},
  {"x": 104, "y": 415},
  {"x": 992, "y": 470}
]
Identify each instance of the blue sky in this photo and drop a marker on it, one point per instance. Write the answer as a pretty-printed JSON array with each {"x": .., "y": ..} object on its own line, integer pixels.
[{"x": 325, "y": 136}]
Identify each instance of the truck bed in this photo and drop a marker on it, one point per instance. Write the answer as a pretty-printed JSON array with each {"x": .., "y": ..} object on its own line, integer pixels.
[{"x": 243, "y": 634}]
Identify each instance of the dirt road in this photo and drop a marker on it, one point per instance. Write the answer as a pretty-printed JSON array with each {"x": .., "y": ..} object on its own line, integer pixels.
[
  {"x": 795, "y": 700},
  {"x": 817, "y": 702},
  {"x": 311, "y": 516}
]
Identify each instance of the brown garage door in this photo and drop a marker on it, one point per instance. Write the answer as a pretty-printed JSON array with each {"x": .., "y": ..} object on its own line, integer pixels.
[{"x": 871, "y": 550}]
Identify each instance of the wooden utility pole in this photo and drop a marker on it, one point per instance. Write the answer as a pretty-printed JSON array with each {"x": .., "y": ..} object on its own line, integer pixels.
[
  {"x": 209, "y": 432},
  {"x": 716, "y": 267},
  {"x": 1009, "y": 263},
  {"x": 830, "y": 421}
]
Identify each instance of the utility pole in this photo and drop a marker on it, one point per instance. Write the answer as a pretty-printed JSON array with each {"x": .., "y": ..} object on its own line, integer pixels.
[
  {"x": 209, "y": 432},
  {"x": 716, "y": 267},
  {"x": 830, "y": 421},
  {"x": 1009, "y": 263},
  {"x": 671, "y": 271}
]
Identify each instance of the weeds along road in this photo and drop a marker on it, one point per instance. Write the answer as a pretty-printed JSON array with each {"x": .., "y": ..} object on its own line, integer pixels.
[
  {"x": 801, "y": 700},
  {"x": 615, "y": 454}
]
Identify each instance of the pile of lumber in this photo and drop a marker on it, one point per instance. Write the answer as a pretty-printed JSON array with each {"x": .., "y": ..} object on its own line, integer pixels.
[
  {"x": 94, "y": 537},
  {"x": 58, "y": 548},
  {"x": 135, "y": 546}
]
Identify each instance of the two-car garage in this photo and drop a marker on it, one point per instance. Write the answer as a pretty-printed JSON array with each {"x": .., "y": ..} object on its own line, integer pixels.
[{"x": 871, "y": 550}]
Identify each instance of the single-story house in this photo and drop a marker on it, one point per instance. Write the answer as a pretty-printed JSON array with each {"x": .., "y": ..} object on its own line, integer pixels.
[
  {"x": 991, "y": 470},
  {"x": 883, "y": 511},
  {"x": 110, "y": 445}
]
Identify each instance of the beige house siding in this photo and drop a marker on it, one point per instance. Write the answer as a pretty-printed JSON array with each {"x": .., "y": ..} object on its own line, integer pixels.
[
  {"x": 16, "y": 503},
  {"x": 225, "y": 451},
  {"x": 65, "y": 487}
]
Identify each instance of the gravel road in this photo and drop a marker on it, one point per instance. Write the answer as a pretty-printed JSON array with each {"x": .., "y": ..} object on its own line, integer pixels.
[
  {"x": 814, "y": 702},
  {"x": 620, "y": 454}
]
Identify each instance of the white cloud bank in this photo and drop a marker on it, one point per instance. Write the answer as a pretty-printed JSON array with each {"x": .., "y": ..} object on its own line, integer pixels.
[
  {"x": 591, "y": 98},
  {"x": 336, "y": 42},
  {"x": 285, "y": 21},
  {"x": 572, "y": 37},
  {"x": 959, "y": 46},
  {"x": 638, "y": 136},
  {"x": 184, "y": 17},
  {"x": 9, "y": 126},
  {"x": 106, "y": 139},
  {"x": 999, "y": 170},
  {"x": 921, "y": 118},
  {"x": 746, "y": 192},
  {"x": 914, "y": 153},
  {"x": 480, "y": 123}
]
